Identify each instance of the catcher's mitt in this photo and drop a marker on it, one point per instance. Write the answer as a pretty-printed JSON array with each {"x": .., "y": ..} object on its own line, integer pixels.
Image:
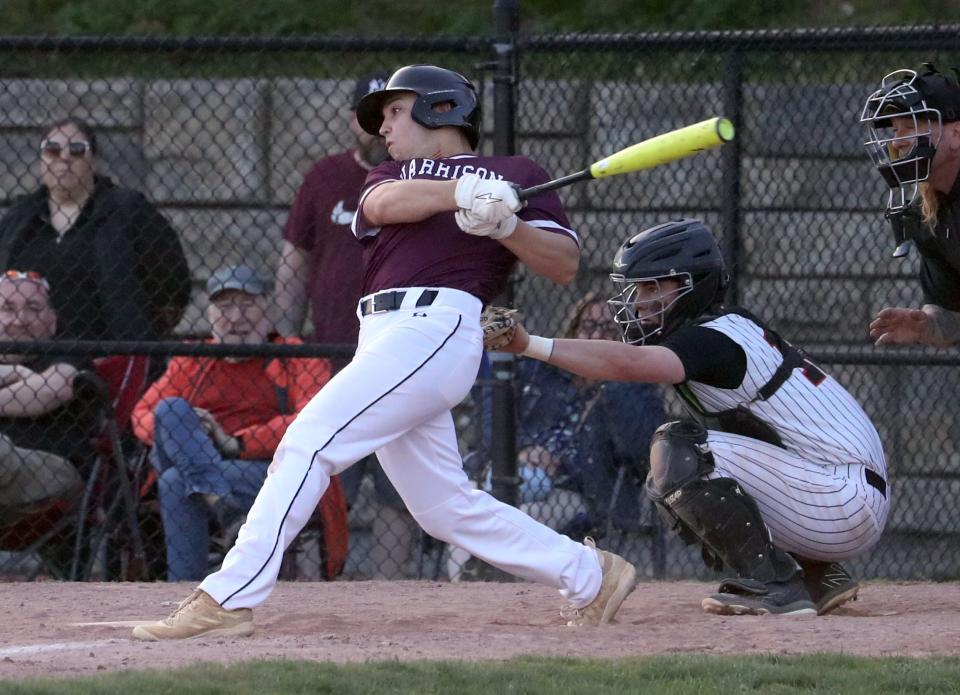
[{"x": 499, "y": 324}]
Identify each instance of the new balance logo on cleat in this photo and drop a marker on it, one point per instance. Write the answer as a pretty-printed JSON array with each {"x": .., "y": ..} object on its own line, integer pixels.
[{"x": 829, "y": 584}]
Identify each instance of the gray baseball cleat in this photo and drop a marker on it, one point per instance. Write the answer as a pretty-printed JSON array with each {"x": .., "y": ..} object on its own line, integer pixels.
[{"x": 750, "y": 597}]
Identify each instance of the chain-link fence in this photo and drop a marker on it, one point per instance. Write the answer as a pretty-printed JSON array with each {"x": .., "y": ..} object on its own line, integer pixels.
[{"x": 141, "y": 177}]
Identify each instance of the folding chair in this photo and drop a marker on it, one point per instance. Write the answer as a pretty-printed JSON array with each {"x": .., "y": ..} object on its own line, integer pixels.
[
  {"x": 327, "y": 527},
  {"x": 116, "y": 384}
]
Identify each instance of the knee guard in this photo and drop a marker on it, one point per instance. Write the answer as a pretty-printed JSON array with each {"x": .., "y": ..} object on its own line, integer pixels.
[
  {"x": 679, "y": 454},
  {"x": 716, "y": 513}
]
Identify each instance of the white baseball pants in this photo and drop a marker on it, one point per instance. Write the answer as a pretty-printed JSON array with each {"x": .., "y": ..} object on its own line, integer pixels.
[{"x": 412, "y": 366}]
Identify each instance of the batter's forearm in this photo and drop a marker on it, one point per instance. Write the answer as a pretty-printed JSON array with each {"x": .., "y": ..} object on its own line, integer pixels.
[
  {"x": 946, "y": 326},
  {"x": 414, "y": 200},
  {"x": 550, "y": 255}
]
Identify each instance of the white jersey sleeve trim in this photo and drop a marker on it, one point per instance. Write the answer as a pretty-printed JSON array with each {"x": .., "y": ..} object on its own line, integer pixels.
[
  {"x": 373, "y": 231},
  {"x": 553, "y": 226}
]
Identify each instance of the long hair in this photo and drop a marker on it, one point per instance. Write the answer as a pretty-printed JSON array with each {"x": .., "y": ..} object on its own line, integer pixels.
[
  {"x": 572, "y": 325},
  {"x": 929, "y": 204}
]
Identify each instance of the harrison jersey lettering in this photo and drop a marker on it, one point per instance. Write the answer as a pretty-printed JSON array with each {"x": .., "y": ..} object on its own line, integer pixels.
[{"x": 435, "y": 252}]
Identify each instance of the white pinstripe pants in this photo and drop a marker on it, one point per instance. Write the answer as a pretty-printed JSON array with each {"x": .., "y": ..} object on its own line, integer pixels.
[{"x": 822, "y": 512}]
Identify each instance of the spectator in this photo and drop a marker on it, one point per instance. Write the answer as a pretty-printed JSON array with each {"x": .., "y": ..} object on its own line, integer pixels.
[
  {"x": 320, "y": 264},
  {"x": 320, "y": 259},
  {"x": 215, "y": 423},
  {"x": 913, "y": 136},
  {"x": 584, "y": 442},
  {"x": 114, "y": 263},
  {"x": 44, "y": 429}
]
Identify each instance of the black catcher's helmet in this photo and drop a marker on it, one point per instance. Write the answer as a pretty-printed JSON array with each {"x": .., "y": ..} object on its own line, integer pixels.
[
  {"x": 433, "y": 85},
  {"x": 684, "y": 250}
]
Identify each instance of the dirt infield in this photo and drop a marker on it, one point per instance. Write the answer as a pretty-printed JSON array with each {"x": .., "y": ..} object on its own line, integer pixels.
[{"x": 70, "y": 629}]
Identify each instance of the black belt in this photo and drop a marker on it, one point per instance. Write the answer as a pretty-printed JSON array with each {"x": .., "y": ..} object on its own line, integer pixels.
[
  {"x": 876, "y": 480},
  {"x": 391, "y": 301}
]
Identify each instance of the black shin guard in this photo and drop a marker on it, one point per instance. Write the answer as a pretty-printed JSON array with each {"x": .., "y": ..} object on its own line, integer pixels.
[{"x": 728, "y": 522}]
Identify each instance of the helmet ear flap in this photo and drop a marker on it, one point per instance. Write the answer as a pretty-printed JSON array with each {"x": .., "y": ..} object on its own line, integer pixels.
[{"x": 433, "y": 85}]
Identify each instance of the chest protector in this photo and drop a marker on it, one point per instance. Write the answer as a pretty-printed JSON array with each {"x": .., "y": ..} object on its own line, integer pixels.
[{"x": 741, "y": 420}]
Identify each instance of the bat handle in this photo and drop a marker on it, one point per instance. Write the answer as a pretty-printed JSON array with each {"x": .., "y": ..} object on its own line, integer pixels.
[{"x": 527, "y": 193}]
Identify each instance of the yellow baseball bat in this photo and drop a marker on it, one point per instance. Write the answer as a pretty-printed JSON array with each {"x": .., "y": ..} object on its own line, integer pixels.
[{"x": 650, "y": 153}]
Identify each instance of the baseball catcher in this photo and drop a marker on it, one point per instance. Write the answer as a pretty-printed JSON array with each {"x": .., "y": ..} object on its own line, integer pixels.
[{"x": 778, "y": 475}]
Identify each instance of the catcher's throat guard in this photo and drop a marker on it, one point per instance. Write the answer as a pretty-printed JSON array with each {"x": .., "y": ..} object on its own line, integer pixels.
[{"x": 907, "y": 228}]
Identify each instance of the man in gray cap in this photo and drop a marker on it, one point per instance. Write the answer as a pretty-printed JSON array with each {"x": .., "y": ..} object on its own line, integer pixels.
[{"x": 214, "y": 423}]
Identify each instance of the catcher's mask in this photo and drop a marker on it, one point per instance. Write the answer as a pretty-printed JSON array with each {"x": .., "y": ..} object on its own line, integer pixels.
[
  {"x": 432, "y": 85},
  {"x": 647, "y": 309},
  {"x": 904, "y": 121}
]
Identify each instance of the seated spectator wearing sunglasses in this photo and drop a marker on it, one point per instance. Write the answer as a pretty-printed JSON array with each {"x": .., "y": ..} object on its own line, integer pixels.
[
  {"x": 43, "y": 426},
  {"x": 115, "y": 265}
]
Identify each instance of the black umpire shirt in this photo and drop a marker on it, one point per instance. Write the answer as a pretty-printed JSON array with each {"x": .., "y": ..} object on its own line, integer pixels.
[{"x": 940, "y": 255}]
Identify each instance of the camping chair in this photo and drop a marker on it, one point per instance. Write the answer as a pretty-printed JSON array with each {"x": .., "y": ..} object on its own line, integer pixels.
[
  {"x": 115, "y": 384},
  {"x": 112, "y": 388},
  {"x": 327, "y": 531},
  {"x": 618, "y": 535}
]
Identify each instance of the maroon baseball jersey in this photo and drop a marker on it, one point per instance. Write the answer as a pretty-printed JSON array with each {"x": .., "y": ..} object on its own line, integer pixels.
[
  {"x": 319, "y": 223},
  {"x": 435, "y": 252}
]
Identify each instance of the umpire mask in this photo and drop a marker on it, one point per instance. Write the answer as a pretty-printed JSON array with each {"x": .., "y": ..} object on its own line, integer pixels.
[{"x": 902, "y": 151}]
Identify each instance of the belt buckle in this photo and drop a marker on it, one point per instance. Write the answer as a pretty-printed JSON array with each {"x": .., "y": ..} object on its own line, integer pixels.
[
  {"x": 372, "y": 303},
  {"x": 386, "y": 305}
]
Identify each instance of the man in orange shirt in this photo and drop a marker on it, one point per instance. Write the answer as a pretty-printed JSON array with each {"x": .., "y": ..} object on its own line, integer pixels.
[{"x": 214, "y": 423}]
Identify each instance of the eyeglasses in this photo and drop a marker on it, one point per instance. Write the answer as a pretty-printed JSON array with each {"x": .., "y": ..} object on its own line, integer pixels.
[
  {"x": 31, "y": 275},
  {"x": 53, "y": 148}
]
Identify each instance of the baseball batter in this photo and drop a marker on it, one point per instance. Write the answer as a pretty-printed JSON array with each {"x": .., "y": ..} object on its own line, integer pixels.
[
  {"x": 442, "y": 228},
  {"x": 781, "y": 475}
]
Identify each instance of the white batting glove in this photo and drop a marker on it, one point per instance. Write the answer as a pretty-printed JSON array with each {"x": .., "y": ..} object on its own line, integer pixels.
[
  {"x": 489, "y": 200},
  {"x": 471, "y": 224}
]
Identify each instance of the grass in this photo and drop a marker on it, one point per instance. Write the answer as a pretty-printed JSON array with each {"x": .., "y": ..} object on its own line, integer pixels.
[{"x": 674, "y": 675}]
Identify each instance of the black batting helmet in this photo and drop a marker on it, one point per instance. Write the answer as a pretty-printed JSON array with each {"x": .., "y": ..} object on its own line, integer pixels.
[
  {"x": 684, "y": 250},
  {"x": 432, "y": 85}
]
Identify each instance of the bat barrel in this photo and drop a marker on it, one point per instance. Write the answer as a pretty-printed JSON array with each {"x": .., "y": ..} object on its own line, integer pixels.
[
  {"x": 666, "y": 148},
  {"x": 650, "y": 153}
]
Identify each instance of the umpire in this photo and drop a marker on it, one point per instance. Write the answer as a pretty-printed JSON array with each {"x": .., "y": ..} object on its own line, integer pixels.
[{"x": 913, "y": 136}]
